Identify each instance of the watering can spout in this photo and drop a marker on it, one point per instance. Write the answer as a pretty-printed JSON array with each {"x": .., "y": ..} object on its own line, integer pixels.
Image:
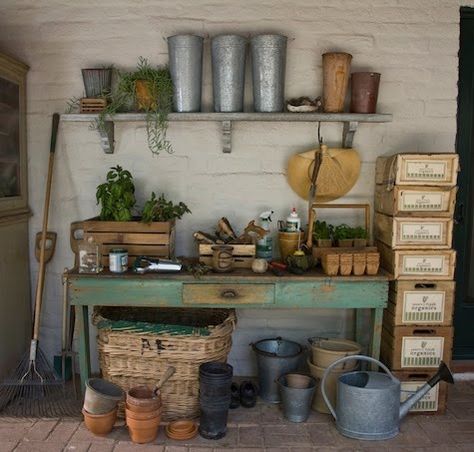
[{"x": 443, "y": 374}]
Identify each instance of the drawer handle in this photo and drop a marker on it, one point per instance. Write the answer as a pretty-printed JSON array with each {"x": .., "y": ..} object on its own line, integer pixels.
[{"x": 228, "y": 293}]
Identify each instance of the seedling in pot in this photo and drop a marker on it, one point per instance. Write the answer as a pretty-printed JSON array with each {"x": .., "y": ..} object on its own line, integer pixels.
[
  {"x": 360, "y": 237},
  {"x": 344, "y": 235},
  {"x": 322, "y": 233}
]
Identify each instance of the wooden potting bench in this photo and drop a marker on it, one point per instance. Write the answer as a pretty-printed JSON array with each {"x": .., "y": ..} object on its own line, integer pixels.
[{"x": 239, "y": 289}]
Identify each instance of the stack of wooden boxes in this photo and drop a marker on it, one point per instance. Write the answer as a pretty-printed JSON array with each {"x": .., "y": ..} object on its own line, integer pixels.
[{"x": 413, "y": 226}]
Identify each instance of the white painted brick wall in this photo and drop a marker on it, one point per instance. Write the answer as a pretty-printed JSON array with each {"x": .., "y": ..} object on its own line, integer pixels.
[{"x": 413, "y": 43}]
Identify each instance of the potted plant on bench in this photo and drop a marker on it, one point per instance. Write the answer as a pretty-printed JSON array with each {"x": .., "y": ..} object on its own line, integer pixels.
[
  {"x": 322, "y": 234},
  {"x": 360, "y": 237},
  {"x": 343, "y": 234}
]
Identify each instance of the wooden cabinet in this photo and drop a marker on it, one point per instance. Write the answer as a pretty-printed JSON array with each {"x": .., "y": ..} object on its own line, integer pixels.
[{"x": 15, "y": 311}]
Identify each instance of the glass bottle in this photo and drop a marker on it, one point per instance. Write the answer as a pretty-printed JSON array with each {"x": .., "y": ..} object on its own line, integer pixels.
[{"x": 90, "y": 256}]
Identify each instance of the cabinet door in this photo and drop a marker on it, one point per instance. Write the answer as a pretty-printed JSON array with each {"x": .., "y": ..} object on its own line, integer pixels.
[{"x": 13, "y": 173}]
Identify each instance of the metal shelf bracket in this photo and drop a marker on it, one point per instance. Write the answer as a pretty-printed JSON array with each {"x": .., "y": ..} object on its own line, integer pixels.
[
  {"x": 348, "y": 133},
  {"x": 107, "y": 137},
  {"x": 226, "y": 137}
]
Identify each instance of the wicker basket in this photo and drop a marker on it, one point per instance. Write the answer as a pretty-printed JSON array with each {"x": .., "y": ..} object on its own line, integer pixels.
[{"x": 137, "y": 345}]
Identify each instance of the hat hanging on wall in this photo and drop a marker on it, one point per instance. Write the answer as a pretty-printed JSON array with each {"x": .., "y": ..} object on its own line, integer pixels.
[{"x": 338, "y": 173}]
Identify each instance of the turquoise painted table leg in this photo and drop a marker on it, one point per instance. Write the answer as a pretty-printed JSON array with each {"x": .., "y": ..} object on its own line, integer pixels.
[
  {"x": 82, "y": 313},
  {"x": 377, "y": 316},
  {"x": 360, "y": 329}
]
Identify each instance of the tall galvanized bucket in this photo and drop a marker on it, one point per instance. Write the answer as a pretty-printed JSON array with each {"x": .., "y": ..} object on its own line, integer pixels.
[
  {"x": 268, "y": 72},
  {"x": 296, "y": 400},
  {"x": 228, "y": 72},
  {"x": 185, "y": 60}
]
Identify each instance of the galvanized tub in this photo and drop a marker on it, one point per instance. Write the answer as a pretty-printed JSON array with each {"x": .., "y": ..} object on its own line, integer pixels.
[
  {"x": 268, "y": 72},
  {"x": 185, "y": 61},
  {"x": 97, "y": 81},
  {"x": 296, "y": 400},
  {"x": 228, "y": 72},
  {"x": 275, "y": 357},
  {"x": 101, "y": 396}
]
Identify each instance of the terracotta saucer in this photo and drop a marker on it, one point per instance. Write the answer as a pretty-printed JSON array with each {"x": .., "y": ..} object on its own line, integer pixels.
[{"x": 181, "y": 430}]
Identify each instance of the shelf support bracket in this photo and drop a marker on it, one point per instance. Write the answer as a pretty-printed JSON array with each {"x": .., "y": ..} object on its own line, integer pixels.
[
  {"x": 348, "y": 133},
  {"x": 227, "y": 137},
  {"x": 107, "y": 137}
]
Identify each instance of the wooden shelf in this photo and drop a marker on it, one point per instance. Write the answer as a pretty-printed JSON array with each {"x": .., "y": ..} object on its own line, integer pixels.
[{"x": 350, "y": 121}]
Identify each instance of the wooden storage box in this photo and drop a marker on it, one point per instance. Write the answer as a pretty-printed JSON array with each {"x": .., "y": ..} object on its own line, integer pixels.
[
  {"x": 421, "y": 303},
  {"x": 92, "y": 105},
  {"x": 156, "y": 239},
  {"x": 417, "y": 169},
  {"x": 434, "y": 402},
  {"x": 415, "y": 201},
  {"x": 406, "y": 232},
  {"x": 244, "y": 255},
  {"x": 416, "y": 347},
  {"x": 418, "y": 264}
]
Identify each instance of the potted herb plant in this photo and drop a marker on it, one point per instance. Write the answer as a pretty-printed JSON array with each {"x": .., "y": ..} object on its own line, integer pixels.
[
  {"x": 360, "y": 237},
  {"x": 343, "y": 235},
  {"x": 322, "y": 234}
]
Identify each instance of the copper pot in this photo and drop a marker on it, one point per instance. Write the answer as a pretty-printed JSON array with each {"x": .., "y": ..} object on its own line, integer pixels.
[{"x": 364, "y": 92}]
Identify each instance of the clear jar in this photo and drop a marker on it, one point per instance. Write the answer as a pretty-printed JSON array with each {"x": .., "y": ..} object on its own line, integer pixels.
[{"x": 90, "y": 256}]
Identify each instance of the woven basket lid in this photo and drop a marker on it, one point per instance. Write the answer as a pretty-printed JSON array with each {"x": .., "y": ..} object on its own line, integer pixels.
[{"x": 338, "y": 173}]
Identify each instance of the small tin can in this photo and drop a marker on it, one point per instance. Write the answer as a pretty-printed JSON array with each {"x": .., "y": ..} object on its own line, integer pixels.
[{"x": 118, "y": 260}]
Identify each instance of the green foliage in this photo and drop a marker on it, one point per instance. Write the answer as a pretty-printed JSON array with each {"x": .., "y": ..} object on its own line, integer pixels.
[
  {"x": 343, "y": 232},
  {"x": 117, "y": 195},
  {"x": 359, "y": 233},
  {"x": 322, "y": 230},
  {"x": 159, "y": 209}
]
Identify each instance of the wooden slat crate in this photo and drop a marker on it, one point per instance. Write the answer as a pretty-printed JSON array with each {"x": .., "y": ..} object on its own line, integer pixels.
[
  {"x": 416, "y": 347},
  {"x": 156, "y": 239},
  {"x": 244, "y": 255},
  {"x": 434, "y": 402},
  {"x": 415, "y": 201},
  {"x": 92, "y": 105},
  {"x": 418, "y": 264},
  {"x": 417, "y": 169},
  {"x": 407, "y": 232},
  {"x": 421, "y": 303}
]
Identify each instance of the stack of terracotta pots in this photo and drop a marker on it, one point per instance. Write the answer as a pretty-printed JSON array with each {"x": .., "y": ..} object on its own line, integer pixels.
[
  {"x": 323, "y": 353},
  {"x": 143, "y": 414}
]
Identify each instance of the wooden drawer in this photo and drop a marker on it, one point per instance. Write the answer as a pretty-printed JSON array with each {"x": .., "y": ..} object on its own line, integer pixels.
[
  {"x": 418, "y": 264},
  {"x": 417, "y": 169},
  {"x": 421, "y": 302},
  {"x": 419, "y": 347},
  {"x": 406, "y": 232},
  {"x": 228, "y": 294},
  {"x": 415, "y": 201}
]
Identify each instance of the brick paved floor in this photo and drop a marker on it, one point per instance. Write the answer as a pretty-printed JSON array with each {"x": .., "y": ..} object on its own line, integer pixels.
[{"x": 258, "y": 429}]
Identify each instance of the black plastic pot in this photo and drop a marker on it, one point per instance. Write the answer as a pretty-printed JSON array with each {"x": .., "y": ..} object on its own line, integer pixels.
[{"x": 215, "y": 380}]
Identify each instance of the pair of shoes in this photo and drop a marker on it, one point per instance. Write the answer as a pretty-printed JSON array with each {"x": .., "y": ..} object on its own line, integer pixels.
[{"x": 245, "y": 395}]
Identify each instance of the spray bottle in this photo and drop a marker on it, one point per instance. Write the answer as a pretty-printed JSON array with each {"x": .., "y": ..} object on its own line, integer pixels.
[{"x": 265, "y": 245}]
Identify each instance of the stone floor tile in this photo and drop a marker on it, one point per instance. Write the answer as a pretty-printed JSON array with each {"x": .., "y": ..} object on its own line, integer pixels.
[
  {"x": 7, "y": 446},
  {"x": 250, "y": 436},
  {"x": 277, "y": 449},
  {"x": 101, "y": 447},
  {"x": 84, "y": 435},
  {"x": 39, "y": 446},
  {"x": 176, "y": 449},
  {"x": 462, "y": 410},
  {"x": 244, "y": 417},
  {"x": 127, "y": 446},
  {"x": 321, "y": 435},
  {"x": 63, "y": 431},
  {"x": 294, "y": 435},
  {"x": 13, "y": 431},
  {"x": 41, "y": 430},
  {"x": 439, "y": 432},
  {"x": 77, "y": 446}
]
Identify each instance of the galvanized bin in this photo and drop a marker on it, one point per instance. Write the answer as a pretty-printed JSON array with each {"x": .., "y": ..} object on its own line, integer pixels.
[
  {"x": 228, "y": 72},
  {"x": 268, "y": 72},
  {"x": 185, "y": 56}
]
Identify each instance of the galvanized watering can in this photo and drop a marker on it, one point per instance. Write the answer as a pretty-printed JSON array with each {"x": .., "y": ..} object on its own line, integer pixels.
[{"x": 368, "y": 403}]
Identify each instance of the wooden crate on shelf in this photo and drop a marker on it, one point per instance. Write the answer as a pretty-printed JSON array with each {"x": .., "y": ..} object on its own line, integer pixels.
[
  {"x": 408, "y": 232},
  {"x": 434, "y": 402},
  {"x": 420, "y": 303},
  {"x": 244, "y": 254},
  {"x": 412, "y": 201},
  {"x": 156, "y": 239},
  {"x": 418, "y": 169},
  {"x": 92, "y": 105},
  {"x": 418, "y": 264},
  {"x": 415, "y": 347}
]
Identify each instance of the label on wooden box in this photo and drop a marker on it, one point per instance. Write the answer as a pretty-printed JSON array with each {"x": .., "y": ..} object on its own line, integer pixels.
[
  {"x": 427, "y": 170},
  {"x": 423, "y": 307},
  {"x": 413, "y": 265},
  {"x": 421, "y": 351},
  {"x": 429, "y": 232},
  {"x": 421, "y": 201},
  {"x": 429, "y": 402}
]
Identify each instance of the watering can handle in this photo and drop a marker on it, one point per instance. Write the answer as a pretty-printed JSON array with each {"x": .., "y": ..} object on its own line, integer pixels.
[{"x": 339, "y": 361}]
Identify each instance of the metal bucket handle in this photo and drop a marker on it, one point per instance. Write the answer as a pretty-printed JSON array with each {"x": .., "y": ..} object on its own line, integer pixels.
[{"x": 341, "y": 360}]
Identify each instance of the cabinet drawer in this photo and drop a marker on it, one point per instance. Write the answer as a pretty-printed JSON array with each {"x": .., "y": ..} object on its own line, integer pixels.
[{"x": 231, "y": 294}]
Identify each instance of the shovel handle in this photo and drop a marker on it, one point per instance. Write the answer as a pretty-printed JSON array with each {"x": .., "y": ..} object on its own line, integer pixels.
[{"x": 167, "y": 375}]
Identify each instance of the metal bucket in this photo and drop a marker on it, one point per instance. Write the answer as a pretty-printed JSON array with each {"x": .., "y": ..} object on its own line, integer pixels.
[
  {"x": 185, "y": 60},
  {"x": 296, "y": 400},
  {"x": 228, "y": 72},
  {"x": 97, "y": 81},
  {"x": 275, "y": 357},
  {"x": 268, "y": 72},
  {"x": 101, "y": 396}
]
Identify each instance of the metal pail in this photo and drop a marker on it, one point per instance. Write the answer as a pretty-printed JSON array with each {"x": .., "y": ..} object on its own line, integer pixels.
[
  {"x": 228, "y": 72},
  {"x": 296, "y": 400},
  {"x": 268, "y": 72},
  {"x": 185, "y": 56}
]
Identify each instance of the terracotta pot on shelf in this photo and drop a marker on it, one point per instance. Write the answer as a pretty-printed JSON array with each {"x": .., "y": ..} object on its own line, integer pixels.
[
  {"x": 143, "y": 431},
  {"x": 100, "y": 424},
  {"x": 145, "y": 100},
  {"x": 336, "y": 71},
  {"x": 364, "y": 92}
]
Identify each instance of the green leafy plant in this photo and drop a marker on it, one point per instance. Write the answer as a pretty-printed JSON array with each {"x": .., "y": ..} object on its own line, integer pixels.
[
  {"x": 359, "y": 233},
  {"x": 322, "y": 230},
  {"x": 117, "y": 195},
  {"x": 159, "y": 209},
  {"x": 343, "y": 232}
]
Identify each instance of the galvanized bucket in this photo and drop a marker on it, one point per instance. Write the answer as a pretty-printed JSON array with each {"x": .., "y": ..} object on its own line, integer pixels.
[
  {"x": 101, "y": 396},
  {"x": 97, "y": 81},
  {"x": 185, "y": 60},
  {"x": 268, "y": 72},
  {"x": 296, "y": 400},
  {"x": 275, "y": 357},
  {"x": 228, "y": 72}
]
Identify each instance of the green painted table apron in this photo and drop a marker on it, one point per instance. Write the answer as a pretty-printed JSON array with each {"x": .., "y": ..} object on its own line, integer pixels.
[{"x": 239, "y": 289}]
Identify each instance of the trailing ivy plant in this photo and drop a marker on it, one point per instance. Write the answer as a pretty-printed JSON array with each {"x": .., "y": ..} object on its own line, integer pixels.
[
  {"x": 159, "y": 209},
  {"x": 116, "y": 196}
]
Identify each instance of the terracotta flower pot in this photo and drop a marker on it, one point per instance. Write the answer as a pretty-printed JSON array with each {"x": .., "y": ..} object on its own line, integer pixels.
[
  {"x": 142, "y": 416},
  {"x": 143, "y": 431},
  {"x": 100, "y": 424},
  {"x": 145, "y": 99},
  {"x": 141, "y": 399}
]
